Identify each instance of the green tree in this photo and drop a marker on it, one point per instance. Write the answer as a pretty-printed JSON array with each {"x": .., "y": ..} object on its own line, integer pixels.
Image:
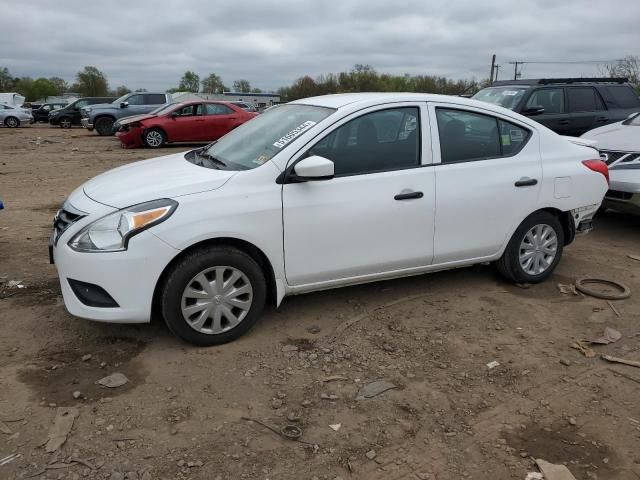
[
  {"x": 60, "y": 84},
  {"x": 242, "y": 86},
  {"x": 43, "y": 88},
  {"x": 627, "y": 67},
  {"x": 190, "y": 82},
  {"x": 212, "y": 84},
  {"x": 92, "y": 82},
  {"x": 122, "y": 90},
  {"x": 24, "y": 86},
  {"x": 6, "y": 80}
]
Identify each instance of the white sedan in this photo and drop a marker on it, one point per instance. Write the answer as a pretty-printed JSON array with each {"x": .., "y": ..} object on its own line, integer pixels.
[
  {"x": 320, "y": 193},
  {"x": 12, "y": 116},
  {"x": 619, "y": 145}
]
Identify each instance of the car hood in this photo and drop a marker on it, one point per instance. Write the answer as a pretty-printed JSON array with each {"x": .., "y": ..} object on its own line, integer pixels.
[
  {"x": 164, "y": 177},
  {"x": 616, "y": 136},
  {"x": 97, "y": 106},
  {"x": 135, "y": 118}
]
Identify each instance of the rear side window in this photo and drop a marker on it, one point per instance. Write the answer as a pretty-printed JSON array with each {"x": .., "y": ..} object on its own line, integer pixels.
[
  {"x": 622, "y": 97},
  {"x": 218, "y": 109},
  {"x": 552, "y": 99},
  {"x": 468, "y": 136},
  {"x": 584, "y": 99},
  {"x": 154, "y": 99}
]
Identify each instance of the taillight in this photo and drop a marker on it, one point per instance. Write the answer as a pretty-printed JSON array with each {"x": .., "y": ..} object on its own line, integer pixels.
[{"x": 597, "y": 166}]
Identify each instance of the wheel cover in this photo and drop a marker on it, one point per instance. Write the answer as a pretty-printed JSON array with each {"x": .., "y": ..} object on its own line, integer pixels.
[
  {"x": 538, "y": 249},
  {"x": 12, "y": 122},
  {"x": 65, "y": 122},
  {"x": 217, "y": 300},
  {"x": 154, "y": 138}
]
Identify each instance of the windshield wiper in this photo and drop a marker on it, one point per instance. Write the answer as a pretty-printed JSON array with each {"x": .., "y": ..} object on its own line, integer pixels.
[{"x": 214, "y": 161}]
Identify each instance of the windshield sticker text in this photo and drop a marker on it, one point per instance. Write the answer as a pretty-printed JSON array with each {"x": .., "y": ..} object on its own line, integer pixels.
[
  {"x": 510, "y": 92},
  {"x": 293, "y": 134}
]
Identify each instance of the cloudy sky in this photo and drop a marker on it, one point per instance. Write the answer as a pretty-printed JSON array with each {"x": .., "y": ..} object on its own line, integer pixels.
[{"x": 140, "y": 43}]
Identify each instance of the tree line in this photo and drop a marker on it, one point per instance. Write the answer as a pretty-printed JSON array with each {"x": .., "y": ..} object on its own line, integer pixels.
[{"x": 91, "y": 82}]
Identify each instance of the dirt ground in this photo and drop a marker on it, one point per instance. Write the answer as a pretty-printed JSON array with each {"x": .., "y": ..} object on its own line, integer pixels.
[{"x": 183, "y": 412}]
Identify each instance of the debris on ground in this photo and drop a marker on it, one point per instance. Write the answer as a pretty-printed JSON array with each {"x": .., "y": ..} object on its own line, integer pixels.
[
  {"x": 493, "y": 364},
  {"x": 4, "y": 428},
  {"x": 554, "y": 472},
  {"x": 534, "y": 476},
  {"x": 610, "y": 335},
  {"x": 87, "y": 357},
  {"x": 335, "y": 427},
  {"x": 15, "y": 284},
  {"x": 614, "y": 309},
  {"x": 114, "y": 380},
  {"x": 9, "y": 458},
  {"x": 62, "y": 424},
  {"x": 622, "y": 290},
  {"x": 374, "y": 388},
  {"x": 568, "y": 289},
  {"x": 584, "y": 349},
  {"x": 624, "y": 361},
  {"x": 634, "y": 257},
  {"x": 335, "y": 378}
]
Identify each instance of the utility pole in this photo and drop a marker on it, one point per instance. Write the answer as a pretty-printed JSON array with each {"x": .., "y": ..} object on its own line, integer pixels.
[
  {"x": 497, "y": 71},
  {"x": 515, "y": 69},
  {"x": 493, "y": 68}
]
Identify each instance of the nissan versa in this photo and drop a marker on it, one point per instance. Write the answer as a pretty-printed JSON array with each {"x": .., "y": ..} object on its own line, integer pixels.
[{"x": 320, "y": 193}]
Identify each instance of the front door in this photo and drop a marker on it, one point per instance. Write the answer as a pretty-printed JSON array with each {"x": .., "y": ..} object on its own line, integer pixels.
[
  {"x": 556, "y": 114},
  {"x": 488, "y": 180},
  {"x": 186, "y": 124},
  {"x": 376, "y": 215}
]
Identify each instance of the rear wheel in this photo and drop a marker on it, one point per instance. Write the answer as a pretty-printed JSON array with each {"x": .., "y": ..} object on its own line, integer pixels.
[
  {"x": 12, "y": 122},
  {"x": 534, "y": 249},
  {"x": 154, "y": 138},
  {"x": 65, "y": 122},
  {"x": 213, "y": 295},
  {"x": 104, "y": 126}
]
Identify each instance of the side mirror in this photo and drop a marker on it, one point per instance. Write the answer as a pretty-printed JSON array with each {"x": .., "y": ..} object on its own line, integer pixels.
[
  {"x": 531, "y": 111},
  {"x": 174, "y": 114},
  {"x": 124, "y": 104},
  {"x": 314, "y": 168}
]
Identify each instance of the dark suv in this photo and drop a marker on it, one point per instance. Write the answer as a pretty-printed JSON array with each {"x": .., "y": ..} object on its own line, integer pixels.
[
  {"x": 70, "y": 115},
  {"x": 568, "y": 106},
  {"x": 41, "y": 114}
]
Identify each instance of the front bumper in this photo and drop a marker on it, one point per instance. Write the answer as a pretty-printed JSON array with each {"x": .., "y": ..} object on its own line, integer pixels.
[
  {"x": 85, "y": 123},
  {"x": 624, "y": 190},
  {"x": 128, "y": 277},
  {"x": 131, "y": 138}
]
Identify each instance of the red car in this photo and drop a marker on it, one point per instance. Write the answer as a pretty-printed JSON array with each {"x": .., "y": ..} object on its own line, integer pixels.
[{"x": 193, "y": 121}]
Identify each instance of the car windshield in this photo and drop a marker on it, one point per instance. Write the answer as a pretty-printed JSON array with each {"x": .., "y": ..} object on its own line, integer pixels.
[
  {"x": 260, "y": 139},
  {"x": 507, "y": 97}
]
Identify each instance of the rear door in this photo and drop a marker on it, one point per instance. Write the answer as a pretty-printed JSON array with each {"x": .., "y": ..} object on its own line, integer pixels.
[
  {"x": 555, "y": 116},
  {"x": 488, "y": 177},
  {"x": 219, "y": 119},
  {"x": 586, "y": 110}
]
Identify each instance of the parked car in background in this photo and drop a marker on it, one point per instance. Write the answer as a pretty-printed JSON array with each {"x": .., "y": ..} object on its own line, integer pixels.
[
  {"x": 69, "y": 115},
  {"x": 568, "y": 106},
  {"x": 619, "y": 145},
  {"x": 320, "y": 193},
  {"x": 245, "y": 106},
  {"x": 102, "y": 116},
  {"x": 41, "y": 114},
  {"x": 13, "y": 117},
  {"x": 194, "y": 121}
]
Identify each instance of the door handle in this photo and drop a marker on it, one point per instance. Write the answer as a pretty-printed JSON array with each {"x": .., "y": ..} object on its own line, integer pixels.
[
  {"x": 408, "y": 195},
  {"x": 601, "y": 119},
  {"x": 526, "y": 182},
  {"x": 563, "y": 122}
]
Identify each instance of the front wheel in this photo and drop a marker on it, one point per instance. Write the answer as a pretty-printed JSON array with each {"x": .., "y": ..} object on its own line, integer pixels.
[
  {"x": 104, "y": 126},
  {"x": 65, "y": 122},
  {"x": 12, "y": 122},
  {"x": 154, "y": 138},
  {"x": 213, "y": 295},
  {"x": 534, "y": 249}
]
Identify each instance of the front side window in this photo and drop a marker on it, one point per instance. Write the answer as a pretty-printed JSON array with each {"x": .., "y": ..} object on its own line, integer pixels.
[
  {"x": 377, "y": 141},
  {"x": 583, "y": 99},
  {"x": 189, "y": 110},
  {"x": 135, "y": 100},
  {"x": 552, "y": 99},
  {"x": 81, "y": 103},
  {"x": 466, "y": 136}
]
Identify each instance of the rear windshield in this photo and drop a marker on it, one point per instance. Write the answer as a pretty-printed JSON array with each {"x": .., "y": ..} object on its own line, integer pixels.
[
  {"x": 260, "y": 139},
  {"x": 507, "y": 97}
]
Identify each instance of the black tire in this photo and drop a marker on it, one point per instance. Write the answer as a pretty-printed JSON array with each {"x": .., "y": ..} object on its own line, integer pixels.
[
  {"x": 12, "y": 122},
  {"x": 509, "y": 264},
  {"x": 65, "y": 122},
  {"x": 104, "y": 126},
  {"x": 181, "y": 276},
  {"x": 154, "y": 138}
]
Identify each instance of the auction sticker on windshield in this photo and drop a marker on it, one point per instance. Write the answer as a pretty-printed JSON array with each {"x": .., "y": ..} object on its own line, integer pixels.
[{"x": 294, "y": 133}]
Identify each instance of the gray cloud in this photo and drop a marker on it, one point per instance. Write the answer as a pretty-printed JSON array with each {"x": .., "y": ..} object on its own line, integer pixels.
[{"x": 151, "y": 43}]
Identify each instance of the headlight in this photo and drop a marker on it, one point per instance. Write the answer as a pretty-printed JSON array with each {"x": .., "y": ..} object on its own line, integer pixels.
[{"x": 112, "y": 233}]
